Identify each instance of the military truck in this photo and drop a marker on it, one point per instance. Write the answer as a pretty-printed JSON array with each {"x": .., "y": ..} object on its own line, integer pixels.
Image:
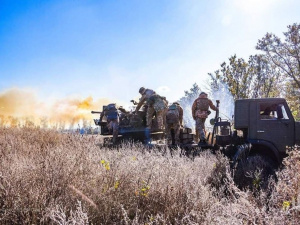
[
  {"x": 257, "y": 139},
  {"x": 267, "y": 124}
]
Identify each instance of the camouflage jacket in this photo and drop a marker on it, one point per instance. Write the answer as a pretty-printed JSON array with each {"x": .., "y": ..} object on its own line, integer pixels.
[
  {"x": 201, "y": 106},
  {"x": 180, "y": 114},
  {"x": 157, "y": 102},
  {"x": 145, "y": 97}
]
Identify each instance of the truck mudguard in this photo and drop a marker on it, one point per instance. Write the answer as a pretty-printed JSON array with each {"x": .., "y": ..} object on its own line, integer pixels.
[{"x": 268, "y": 148}]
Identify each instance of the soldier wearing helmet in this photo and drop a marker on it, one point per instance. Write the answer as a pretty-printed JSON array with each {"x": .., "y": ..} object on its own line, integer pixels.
[
  {"x": 155, "y": 105},
  {"x": 200, "y": 111}
]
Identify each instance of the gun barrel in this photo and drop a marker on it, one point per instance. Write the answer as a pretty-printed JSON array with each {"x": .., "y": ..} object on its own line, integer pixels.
[
  {"x": 217, "y": 112},
  {"x": 95, "y": 112}
]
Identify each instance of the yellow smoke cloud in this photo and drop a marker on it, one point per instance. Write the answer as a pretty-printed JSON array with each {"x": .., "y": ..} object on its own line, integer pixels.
[
  {"x": 22, "y": 107},
  {"x": 16, "y": 102}
]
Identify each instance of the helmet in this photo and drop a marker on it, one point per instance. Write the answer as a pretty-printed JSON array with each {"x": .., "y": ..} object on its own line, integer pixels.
[
  {"x": 202, "y": 93},
  {"x": 142, "y": 90},
  {"x": 176, "y": 103}
]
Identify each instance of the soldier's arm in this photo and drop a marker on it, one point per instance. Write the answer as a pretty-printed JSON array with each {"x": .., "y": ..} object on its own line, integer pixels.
[
  {"x": 211, "y": 105},
  {"x": 122, "y": 110},
  {"x": 141, "y": 102}
]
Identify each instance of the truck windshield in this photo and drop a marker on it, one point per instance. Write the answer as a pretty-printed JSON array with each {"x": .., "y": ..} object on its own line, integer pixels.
[
  {"x": 269, "y": 112},
  {"x": 283, "y": 110}
]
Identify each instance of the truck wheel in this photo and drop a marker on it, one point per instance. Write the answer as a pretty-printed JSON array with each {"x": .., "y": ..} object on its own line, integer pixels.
[{"x": 254, "y": 172}]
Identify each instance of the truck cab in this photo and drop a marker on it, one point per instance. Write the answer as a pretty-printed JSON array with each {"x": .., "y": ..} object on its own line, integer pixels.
[{"x": 267, "y": 124}]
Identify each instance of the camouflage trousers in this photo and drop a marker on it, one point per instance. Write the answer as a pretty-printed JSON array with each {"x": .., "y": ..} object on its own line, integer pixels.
[
  {"x": 159, "y": 117},
  {"x": 113, "y": 126},
  {"x": 200, "y": 128},
  {"x": 176, "y": 128}
]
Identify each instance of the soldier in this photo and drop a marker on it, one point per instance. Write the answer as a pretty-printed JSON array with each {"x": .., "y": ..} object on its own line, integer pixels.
[
  {"x": 112, "y": 117},
  {"x": 155, "y": 104},
  {"x": 174, "y": 118},
  {"x": 267, "y": 114},
  {"x": 200, "y": 112}
]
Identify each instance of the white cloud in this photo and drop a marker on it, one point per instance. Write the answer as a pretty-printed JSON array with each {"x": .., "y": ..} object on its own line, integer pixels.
[
  {"x": 162, "y": 90},
  {"x": 226, "y": 20},
  {"x": 254, "y": 7}
]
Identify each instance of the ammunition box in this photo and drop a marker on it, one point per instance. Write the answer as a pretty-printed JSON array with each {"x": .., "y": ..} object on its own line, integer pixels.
[
  {"x": 186, "y": 130},
  {"x": 186, "y": 136}
]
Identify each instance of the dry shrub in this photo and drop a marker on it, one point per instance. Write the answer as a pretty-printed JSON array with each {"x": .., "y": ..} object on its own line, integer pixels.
[
  {"x": 46, "y": 171},
  {"x": 278, "y": 204},
  {"x": 254, "y": 173},
  {"x": 36, "y": 169},
  {"x": 51, "y": 178},
  {"x": 285, "y": 201},
  {"x": 219, "y": 175}
]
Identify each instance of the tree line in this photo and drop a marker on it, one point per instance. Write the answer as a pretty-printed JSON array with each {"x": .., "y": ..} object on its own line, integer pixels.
[{"x": 275, "y": 72}]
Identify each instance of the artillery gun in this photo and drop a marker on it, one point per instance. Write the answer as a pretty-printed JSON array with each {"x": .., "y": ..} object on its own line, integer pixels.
[{"x": 132, "y": 126}]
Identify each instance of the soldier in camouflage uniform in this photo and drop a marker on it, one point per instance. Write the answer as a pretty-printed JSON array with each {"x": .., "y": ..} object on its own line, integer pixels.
[
  {"x": 174, "y": 119},
  {"x": 112, "y": 117},
  {"x": 155, "y": 104},
  {"x": 200, "y": 113},
  {"x": 165, "y": 111}
]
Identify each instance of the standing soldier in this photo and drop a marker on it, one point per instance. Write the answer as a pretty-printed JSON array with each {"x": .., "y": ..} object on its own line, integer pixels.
[
  {"x": 174, "y": 118},
  {"x": 156, "y": 105},
  {"x": 200, "y": 113},
  {"x": 112, "y": 117}
]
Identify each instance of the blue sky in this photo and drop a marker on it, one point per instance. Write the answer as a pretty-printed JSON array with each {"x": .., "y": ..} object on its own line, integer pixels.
[{"x": 109, "y": 49}]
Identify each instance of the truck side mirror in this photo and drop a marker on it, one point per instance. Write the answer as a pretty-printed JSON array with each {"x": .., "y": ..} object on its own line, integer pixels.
[{"x": 279, "y": 112}]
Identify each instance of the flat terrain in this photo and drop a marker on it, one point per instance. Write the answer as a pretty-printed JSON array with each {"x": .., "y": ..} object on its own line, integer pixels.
[{"x": 47, "y": 177}]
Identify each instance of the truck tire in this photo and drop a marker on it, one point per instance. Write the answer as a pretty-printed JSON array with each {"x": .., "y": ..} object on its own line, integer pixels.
[{"x": 254, "y": 172}]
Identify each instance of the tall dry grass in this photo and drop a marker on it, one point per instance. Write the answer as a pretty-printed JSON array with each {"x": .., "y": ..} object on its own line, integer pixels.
[{"x": 51, "y": 178}]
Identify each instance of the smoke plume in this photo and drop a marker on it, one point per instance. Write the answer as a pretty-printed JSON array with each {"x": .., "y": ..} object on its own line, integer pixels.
[
  {"x": 226, "y": 107},
  {"x": 19, "y": 107}
]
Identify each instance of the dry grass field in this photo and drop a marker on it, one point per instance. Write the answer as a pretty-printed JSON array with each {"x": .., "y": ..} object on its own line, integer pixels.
[{"x": 47, "y": 177}]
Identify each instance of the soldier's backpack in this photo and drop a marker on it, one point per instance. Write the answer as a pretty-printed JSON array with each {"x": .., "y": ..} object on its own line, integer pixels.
[
  {"x": 172, "y": 115},
  {"x": 111, "y": 112},
  {"x": 152, "y": 99}
]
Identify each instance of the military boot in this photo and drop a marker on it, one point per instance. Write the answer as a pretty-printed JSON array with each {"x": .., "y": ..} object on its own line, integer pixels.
[{"x": 202, "y": 142}]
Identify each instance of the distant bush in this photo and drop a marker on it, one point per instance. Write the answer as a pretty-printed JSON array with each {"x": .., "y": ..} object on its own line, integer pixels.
[{"x": 51, "y": 178}]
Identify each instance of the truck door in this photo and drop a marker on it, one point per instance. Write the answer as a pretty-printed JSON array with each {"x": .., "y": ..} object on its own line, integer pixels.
[{"x": 275, "y": 124}]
